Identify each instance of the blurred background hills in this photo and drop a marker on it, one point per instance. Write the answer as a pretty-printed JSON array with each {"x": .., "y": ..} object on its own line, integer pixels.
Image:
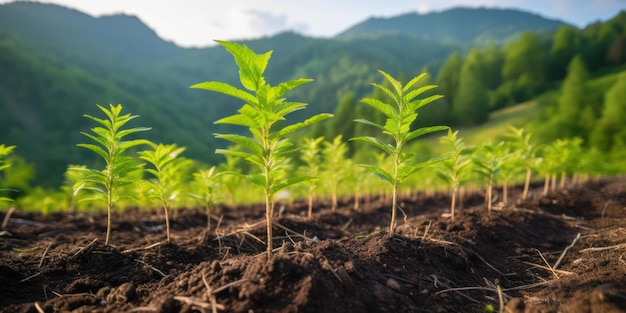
[{"x": 58, "y": 63}]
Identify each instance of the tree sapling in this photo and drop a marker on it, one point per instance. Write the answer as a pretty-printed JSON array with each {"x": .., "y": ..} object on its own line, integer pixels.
[
  {"x": 111, "y": 148},
  {"x": 399, "y": 116},
  {"x": 264, "y": 107}
]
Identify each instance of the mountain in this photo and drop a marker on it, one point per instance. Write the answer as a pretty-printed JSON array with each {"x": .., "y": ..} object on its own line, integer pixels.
[
  {"x": 58, "y": 63},
  {"x": 465, "y": 25},
  {"x": 119, "y": 38}
]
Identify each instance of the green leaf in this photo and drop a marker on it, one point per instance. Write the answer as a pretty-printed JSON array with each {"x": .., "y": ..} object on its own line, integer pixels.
[
  {"x": 124, "y": 133},
  {"x": 289, "y": 182},
  {"x": 288, "y": 107},
  {"x": 255, "y": 159},
  {"x": 376, "y": 143},
  {"x": 381, "y": 173},
  {"x": 125, "y": 145},
  {"x": 391, "y": 127},
  {"x": 227, "y": 89},
  {"x": 363, "y": 121},
  {"x": 251, "y": 65},
  {"x": 104, "y": 141},
  {"x": 408, "y": 97},
  {"x": 237, "y": 119},
  {"x": 95, "y": 149},
  {"x": 423, "y": 131},
  {"x": 405, "y": 171},
  {"x": 287, "y": 86},
  {"x": 102, "y": 122},
  {"x": 387, "y": 91},
  {"x": 312, "y": 120},
  {"x": 246, "y": 142},
  {"x": 396, "y": 85},
  {"x": 422, "y": 102},
  {"x": 382, "y": 107},
  {"x": 412, "y": 82},
  {"x": 256, "y": 179}
]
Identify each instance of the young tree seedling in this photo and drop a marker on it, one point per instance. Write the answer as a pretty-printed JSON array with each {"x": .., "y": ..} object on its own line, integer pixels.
[
  {"x": 110, "y": 146},
  {"x": 399, "y": 116},
  {"x": 521, "y": 140},
  {"x": 335, "y": 166},
  {"x": 166, "y": 165},
  {"x": 455, "y": 170},
  {"x": 264, "y": 107},
  {"x": 207, "y": 183},
  {"x": 310, "y": 155},
  {"x": 489, "y": 160},
  {"x": 73, "y": 184}
]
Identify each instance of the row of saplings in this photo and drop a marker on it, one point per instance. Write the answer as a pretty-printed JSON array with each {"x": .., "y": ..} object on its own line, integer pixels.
[{"x": 267, "y": 150}]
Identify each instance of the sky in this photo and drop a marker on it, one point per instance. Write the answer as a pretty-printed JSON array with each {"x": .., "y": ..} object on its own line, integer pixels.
[{"x": 196, "y": 23}]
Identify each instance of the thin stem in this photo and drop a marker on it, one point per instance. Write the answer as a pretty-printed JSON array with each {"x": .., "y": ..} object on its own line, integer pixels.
[
  {"x": 334, "y": 196},
  {"x": 526, "y": 183},
  {"x": 269, "y": 198},
  {"x": 268, "y": 220},
  {"x": 505, "y": 192},
  {"x": 393, "y": 208},
  {"x": 310, "y": 201},
  {"x": 489, "y": 188},
  {"x": 109, "y": 205},
  {"x": 167, "y": 221},
  {"x": 453, "y": 202}
]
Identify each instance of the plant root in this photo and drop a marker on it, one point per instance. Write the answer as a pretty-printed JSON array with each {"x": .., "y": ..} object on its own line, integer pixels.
[
  {"x": 151, "y": 267},
  {"x": 43, "y": 257}
]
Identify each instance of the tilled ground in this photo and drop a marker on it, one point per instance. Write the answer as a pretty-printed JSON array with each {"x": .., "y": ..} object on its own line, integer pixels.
[{"x": 564, "y": 252}]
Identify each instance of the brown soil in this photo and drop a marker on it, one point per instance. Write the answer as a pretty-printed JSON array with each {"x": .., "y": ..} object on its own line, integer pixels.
[{"x": 334, "y": 262}]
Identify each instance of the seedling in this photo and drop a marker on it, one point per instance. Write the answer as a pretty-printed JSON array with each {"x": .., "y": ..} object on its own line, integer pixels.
[
  {"x": 335, "y": 166},
  {"x": 73, "y": 184},
  {"x": 166, "y": 163},
  {"x": 206, "y": 183},
  {"x": 264, "y": 107},
  {"x": 111, "y": 148},
  {"x": 489, "y": 161},
  {"x": 512, "y": 167},
  {"x": 399, "y": 116},
  {"x": 455, "y": 170},
  {"x": 311, "y": 157},
  {"x": 521, "y": 140}
]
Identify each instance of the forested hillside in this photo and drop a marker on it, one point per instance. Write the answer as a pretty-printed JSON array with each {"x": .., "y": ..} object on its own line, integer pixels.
[
  {"x": 466, "y": 25},
  {"x": 60, "y": 63}
]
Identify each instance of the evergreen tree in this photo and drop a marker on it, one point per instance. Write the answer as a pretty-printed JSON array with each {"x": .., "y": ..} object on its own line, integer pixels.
[
  {"x": 448, "y": 77},
  {"x": 342, "y": 124},
  {"x": 611, "y": 129},
  {"x": 524, "y": 57},
  {"x": 566, "y": 43},
  {"x": 472, "y": 104},
  {"x": 573, "y": 102},
  {"x": 524, "y": 68}
]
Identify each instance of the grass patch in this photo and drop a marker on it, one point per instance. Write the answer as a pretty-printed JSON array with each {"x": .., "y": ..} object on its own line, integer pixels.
[{"x": 499, "y": 123}]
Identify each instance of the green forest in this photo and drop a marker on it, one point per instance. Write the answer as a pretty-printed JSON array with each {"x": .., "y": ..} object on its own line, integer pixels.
[{"x": 570, "y": 84}]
